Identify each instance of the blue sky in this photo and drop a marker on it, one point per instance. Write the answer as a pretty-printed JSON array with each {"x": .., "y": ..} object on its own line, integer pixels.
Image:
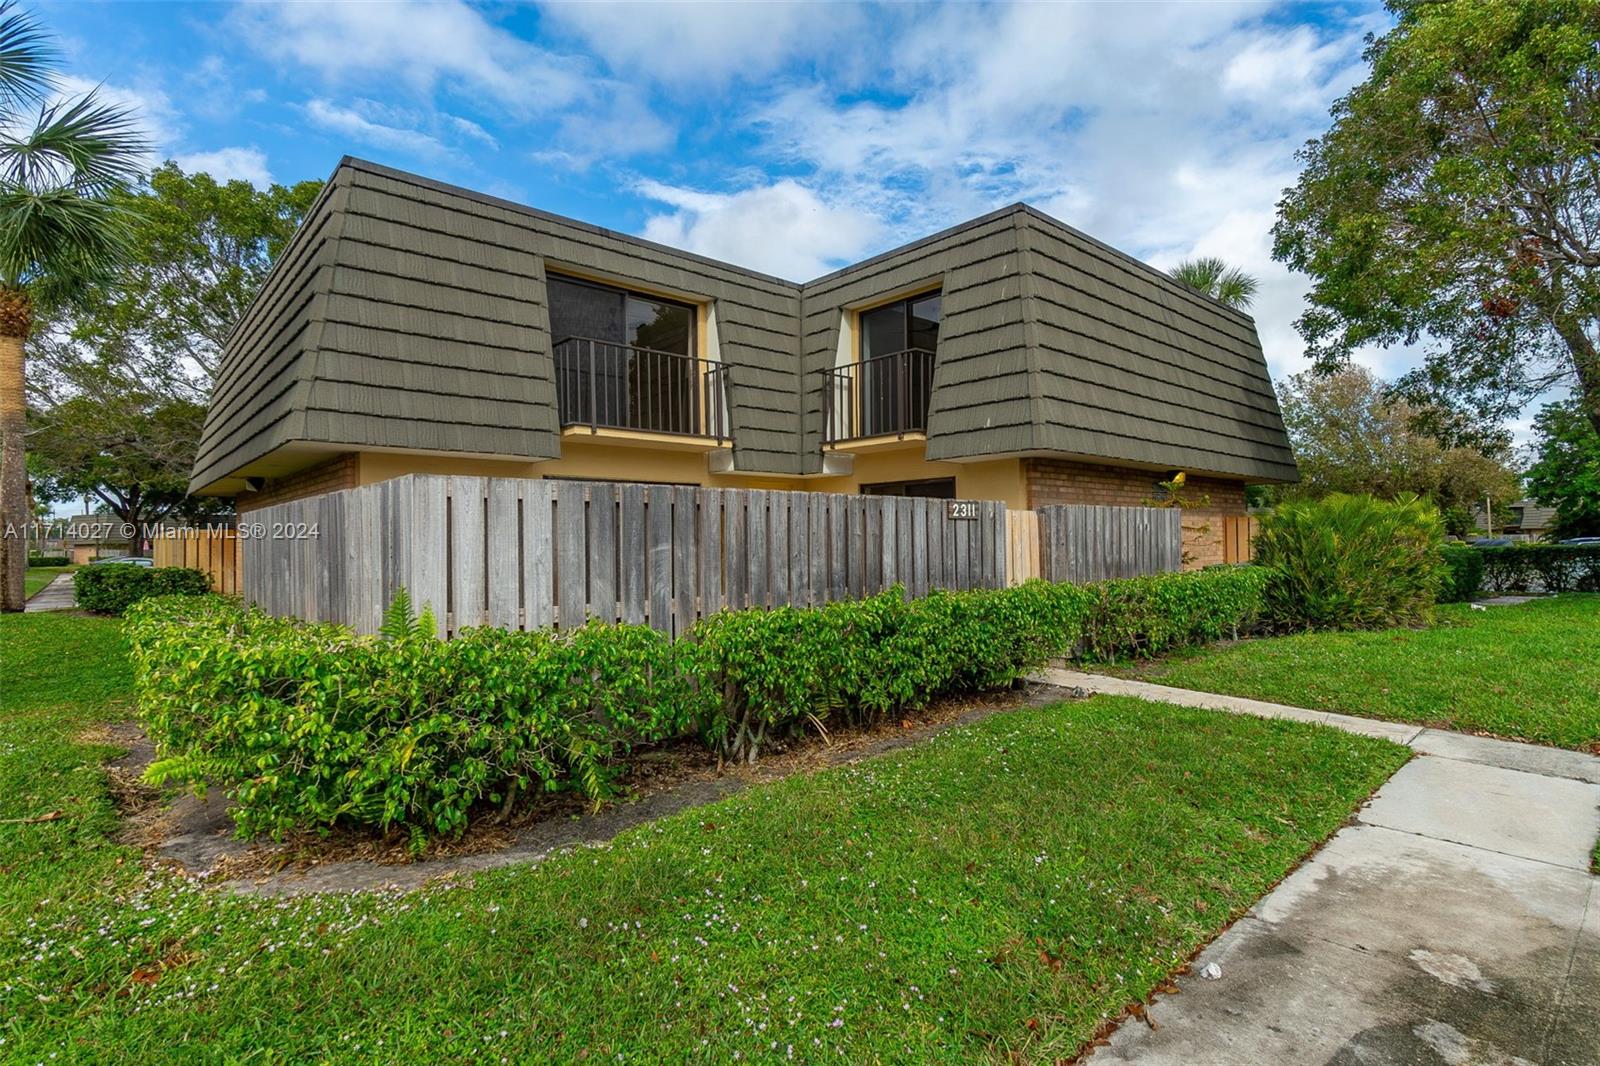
[{"x": 789, "y": 138}]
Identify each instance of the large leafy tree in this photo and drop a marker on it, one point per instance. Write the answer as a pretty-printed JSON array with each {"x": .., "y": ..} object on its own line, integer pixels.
[
  {"x": 1228, "y": 285},
  {"x": 61, "y": 163},
  {"x": 200, "y": 250},
  {"x": 127, "y": 447},
  {"x": 1352, "y": 434},
  {"x": 119, "y": 375},
  {"x": 1566, "y": 473},
  {"x": 1456, "y": 198}
]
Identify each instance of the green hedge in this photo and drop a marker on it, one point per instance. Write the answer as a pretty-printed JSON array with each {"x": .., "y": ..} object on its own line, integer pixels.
[
  {"x": 1541, "y": 567},
  {"x": 1463, "y": 573},
  {"x": 49, "y": 560},
  {"x": 308, "y": 725},
  {"x": 1351, "y": 562},
  {"x": 111, "y": 588}
]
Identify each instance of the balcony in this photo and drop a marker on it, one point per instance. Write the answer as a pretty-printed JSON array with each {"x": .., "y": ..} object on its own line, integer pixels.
[
  {"x": 603, "y": 385},
  {"x": 883, "y": 396}
]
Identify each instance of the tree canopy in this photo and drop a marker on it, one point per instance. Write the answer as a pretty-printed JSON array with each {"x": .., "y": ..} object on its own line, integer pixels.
[
  {"x": 1352, "y": 434},
  {"x": 1566, "y": 471},
  {"x": 1456, "y": 200},
  {"x": 200, "y": 250}
]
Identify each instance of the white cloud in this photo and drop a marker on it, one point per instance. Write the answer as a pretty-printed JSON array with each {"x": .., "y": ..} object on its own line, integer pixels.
[
  {"x": 450, "y": 51},
  {"x": 691, "y": 43},
  {"x": 352, "y": 123},
  {"x": 425, "y": 45},
  {"x": 1167, "y": 134},
  {"x": 472, "y": 131},
  {"x": 783, "y": 228},
  {"x": 229, "y": 164},
  {"x": 150, "y": 107}
]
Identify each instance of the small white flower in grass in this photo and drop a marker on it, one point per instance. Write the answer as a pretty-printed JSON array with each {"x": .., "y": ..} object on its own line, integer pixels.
[{"x": 583, "y": 923}]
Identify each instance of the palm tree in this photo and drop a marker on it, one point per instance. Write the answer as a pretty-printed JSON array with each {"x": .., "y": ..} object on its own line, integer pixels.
[
  {"x": 1228, "y": 285},
  {"x": 61, "y": 162}
]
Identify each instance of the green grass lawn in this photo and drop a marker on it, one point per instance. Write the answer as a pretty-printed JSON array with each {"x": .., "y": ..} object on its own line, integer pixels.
[
  {"x": 1000, "y": 888},
  {"x": 1530, "y": 672},
  {"x": 37, "y": 577}
]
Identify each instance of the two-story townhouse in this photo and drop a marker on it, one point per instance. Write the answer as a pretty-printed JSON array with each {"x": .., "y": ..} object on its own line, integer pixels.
[{"x": 415, "y": 327}]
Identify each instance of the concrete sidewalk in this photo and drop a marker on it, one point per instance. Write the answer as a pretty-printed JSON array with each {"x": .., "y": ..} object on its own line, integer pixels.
[
  {"x": 56, "y": 596},
  {"x": 1454, "y": 922}
]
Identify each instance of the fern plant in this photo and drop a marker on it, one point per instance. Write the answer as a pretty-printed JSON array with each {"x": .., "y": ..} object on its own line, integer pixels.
[{"x": 402, "y": 622}]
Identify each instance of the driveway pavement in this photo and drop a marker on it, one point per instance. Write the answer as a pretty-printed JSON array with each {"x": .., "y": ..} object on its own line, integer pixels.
[{"x": 1454, "y": 922}]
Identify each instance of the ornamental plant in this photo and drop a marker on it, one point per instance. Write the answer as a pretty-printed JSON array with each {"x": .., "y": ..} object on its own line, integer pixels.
[{"x": 1351, "y": 562}]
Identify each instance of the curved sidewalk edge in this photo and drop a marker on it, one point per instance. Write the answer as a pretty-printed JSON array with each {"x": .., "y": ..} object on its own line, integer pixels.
[{"x": 1509, "y": 754}]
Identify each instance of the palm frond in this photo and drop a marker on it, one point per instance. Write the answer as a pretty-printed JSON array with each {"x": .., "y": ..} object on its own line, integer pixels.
[
  {"x": 27, "y": 58},
  {"x": 85, "y": 143},
  {"x": 56, "y": 240},
  {"x": 1207, "y": 274}
]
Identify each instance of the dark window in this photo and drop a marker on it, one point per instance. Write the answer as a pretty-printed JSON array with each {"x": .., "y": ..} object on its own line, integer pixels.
[
  {"x": 896, "y": 369},
  {"x": 624, "y": 359},
  {"x": 941, "y": 488},
  {"x": 599, "y": 312},
  {"x": 902, "y": 325}
]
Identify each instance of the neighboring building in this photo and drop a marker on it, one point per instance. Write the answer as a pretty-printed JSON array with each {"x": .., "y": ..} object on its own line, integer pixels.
[
  {"x": 412, "y": 326},
  {"x": 1529, "y": 520}
]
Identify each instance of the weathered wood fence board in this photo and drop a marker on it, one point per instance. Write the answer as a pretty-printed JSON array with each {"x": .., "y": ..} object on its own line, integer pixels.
[
  {"x": 1239, "y": 538},
  {"x": 214, "y": 552},
  {"x": 520, "y": 553},
  {"x": 1083, "y": 542}
]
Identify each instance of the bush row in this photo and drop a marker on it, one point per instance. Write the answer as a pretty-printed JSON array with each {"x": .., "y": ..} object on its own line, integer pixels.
[
  {"x": 110, "y": 588},
  {"x": 48, "y": 560},
  {"x": 1463, "y": 573},
  {"x": 1541, "y": 567},
  {"x": 308, "y": 725}
]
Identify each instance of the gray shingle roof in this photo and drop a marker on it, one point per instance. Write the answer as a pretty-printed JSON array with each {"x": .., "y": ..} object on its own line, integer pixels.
[{"x": 410, "y": 314}]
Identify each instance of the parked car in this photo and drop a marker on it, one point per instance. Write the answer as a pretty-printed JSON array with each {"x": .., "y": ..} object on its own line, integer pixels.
[
  {"x": 1492, "y": 542},
  {"x": 126, "y": 560},
  {"x": 1584, "y": 541}
]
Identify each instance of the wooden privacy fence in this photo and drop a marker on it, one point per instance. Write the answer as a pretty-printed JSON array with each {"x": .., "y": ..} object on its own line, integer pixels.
[
  {"x": 1083, "y": 542},
  {"x": 212, "y": 551},
  {"x": 1239, "y": 538},
  {"x": 522, "y": 554}
]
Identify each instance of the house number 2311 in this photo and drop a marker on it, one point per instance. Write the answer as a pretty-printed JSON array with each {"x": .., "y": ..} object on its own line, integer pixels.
[{"x": 961, "y": 510}]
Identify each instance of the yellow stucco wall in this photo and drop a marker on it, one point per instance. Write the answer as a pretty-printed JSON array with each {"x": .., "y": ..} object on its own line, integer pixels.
[{"x": 1000, "y": 479}]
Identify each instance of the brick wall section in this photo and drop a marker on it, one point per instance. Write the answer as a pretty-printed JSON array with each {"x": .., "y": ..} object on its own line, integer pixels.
[
  {"x": 1063, "y": 481},
  {"x": 340, "y": 472}
]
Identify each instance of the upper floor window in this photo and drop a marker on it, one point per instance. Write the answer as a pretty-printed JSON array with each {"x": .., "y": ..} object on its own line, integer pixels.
[
  {"x": 625, "y": 360},
  {"x": 602, "y": 313},
  {"x": 911, "y": 324}
]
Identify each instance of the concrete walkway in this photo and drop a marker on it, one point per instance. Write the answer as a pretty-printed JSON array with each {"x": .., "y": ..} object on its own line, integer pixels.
[
  {"x": 1453, "y": 922},
  {"x": 56, "y": 596}
]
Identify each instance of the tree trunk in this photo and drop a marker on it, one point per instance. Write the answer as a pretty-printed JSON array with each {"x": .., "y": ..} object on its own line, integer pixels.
[
  {"x": 15, "y": 319},
  {"x": 1586, "y": 361}
]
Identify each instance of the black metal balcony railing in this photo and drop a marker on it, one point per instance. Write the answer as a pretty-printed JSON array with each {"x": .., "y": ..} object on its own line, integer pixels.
[
  {"x": 615, "y": 386},
  {"x": 886, "y": 394}
]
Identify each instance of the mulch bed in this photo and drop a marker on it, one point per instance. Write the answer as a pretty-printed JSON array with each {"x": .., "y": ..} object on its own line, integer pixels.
[{"x": 195, "y": 835}]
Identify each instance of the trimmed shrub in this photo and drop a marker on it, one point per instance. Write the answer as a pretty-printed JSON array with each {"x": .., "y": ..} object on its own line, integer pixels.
[
  {"x": 49, "y": 560},
  {"x": 852, "y": 662},
  {"x": 1351, "y": 562},
  {"x": 1150, "y": 615},
  {"x": 111, "y": 588},
  {"x": 306, "y": 725},
  {"x": 1541, "y": 567},
  {"x": 1463, "y": 573}
]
